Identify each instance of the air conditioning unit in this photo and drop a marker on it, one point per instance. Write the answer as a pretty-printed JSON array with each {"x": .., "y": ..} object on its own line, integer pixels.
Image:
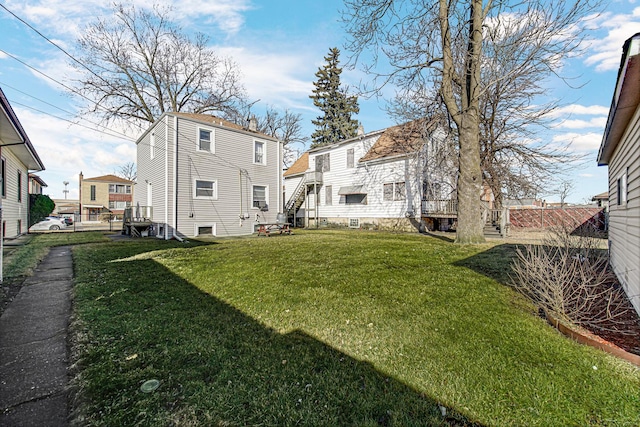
[{"x": 263, "y": 206}]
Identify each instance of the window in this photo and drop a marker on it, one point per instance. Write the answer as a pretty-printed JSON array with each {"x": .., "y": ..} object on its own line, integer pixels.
[
  {"x": 259, "y": 156},
  {"x": 393, "y": 191},
  {"x": 260, "y": 196},
  {"x": 622, "y": 189},
  {"x": 355, "y": 199},
  {"x": 152, "y": 145},
  {"x": 204, "y": 140},
  {"x": 119, "y": 189},
  {"x": 354, "y": 222},
  {"x": 19, "y": 186},
  {"x": 205, "y": 190},
  {"x": 4, "y": 177},
  {"x": 119, "y": 205},
  {"x": 350, "y": 158},
  {"x": 328, "y": 195},
  {"x": 322, "y": 163},
  {"x": 93, "y": 193}
]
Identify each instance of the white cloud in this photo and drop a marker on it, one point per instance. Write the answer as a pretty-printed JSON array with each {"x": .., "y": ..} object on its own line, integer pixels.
[
  {"x": 594, "y": 110},
  {"x": 597, "y": 122},
  {"x": 66, "y": 149},
  {"x": 274, "y": 78},
  {"x": 605, "y": 51},
  {"x": 579, "y": 142}
]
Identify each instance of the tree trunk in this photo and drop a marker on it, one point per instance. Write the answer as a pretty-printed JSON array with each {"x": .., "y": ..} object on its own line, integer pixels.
[{"x": 470, "y": 227}]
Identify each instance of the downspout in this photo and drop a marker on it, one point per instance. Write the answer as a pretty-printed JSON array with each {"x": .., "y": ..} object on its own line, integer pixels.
[
  {"x": 166, "y": 178},
  {"x": 280, "y": 200},
  {"x": 175, "y": 177}
]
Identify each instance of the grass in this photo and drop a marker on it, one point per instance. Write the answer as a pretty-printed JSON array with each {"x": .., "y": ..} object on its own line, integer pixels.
[
  {"x": 22, "y": 260},
  {"x": 327, "y": 328}
]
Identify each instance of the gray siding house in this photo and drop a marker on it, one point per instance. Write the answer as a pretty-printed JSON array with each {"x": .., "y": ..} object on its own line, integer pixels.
[
  {"x": 202, "y": 175},
  {"x": 620, "y": 150}
]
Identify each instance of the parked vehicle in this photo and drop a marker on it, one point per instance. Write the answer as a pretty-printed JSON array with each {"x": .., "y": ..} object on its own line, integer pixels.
[
  {"x": 68, "y": 220},
  {"x": 49, "y": 223}
]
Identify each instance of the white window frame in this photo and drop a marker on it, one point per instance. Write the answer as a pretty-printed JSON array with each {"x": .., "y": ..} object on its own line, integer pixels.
[
  {"x": 351, "y": 155},
  {"x": 214, "y": 189},
  {"x": 623, "y": 189},
  {"x": 266, "y": 195},
  {"x": 212, "y": 139},
  {"x": 264, "y": 152},
  {"x": 395, "y": 195},
  {"x": 197, "y": 226}
]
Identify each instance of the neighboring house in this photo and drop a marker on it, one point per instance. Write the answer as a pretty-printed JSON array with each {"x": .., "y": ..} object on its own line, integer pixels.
[
  {"x": 602, "y": 200},
  {"x": 67, "y": 208},
  {"x": 104, "y": 197},
  {"x": 202, "y": 175},
  {"x": 17, "y": 158},
  {"x": 36, "y": 184},
  {"x": 620, "y": 150},
  {"x": 527, "y": 203},
  {"x": 378, "y": 180}
]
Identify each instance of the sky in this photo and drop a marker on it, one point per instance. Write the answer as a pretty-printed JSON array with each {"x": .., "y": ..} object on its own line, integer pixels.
[{"x": 279, "y": 46}]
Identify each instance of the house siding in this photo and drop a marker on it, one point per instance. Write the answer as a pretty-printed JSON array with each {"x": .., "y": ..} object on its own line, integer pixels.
[
  {"x": 230, "y": 164},
  {"x": 371, "y": 175},
  {"x": 14, "y": 211},
  {"x": 624, "y": 220}
]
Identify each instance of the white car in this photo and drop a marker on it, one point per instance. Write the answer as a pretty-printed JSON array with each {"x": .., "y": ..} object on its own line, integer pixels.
[{"x": 49, "y": 223}]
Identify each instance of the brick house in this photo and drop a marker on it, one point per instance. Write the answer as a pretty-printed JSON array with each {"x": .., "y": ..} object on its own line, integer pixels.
[{"x": 104, "y": 197}]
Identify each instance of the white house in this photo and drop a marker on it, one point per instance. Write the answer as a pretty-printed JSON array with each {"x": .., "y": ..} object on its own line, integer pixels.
[
  {"x": 377, "y": 180},
  {"x": 620, "y": 150},
  {"x": 17, "y": 158},
  {"x": 203, "y": 175}
]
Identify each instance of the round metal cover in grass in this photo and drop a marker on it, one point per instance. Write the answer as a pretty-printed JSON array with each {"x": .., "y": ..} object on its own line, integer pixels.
[{"x": 149, "y": 386}]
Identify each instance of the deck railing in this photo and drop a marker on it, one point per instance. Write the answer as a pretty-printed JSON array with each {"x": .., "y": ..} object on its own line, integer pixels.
[
  {"x": 138, "y": 213},
  {"x": 313, "y": 177},
  {"x": 441, "y": 207}
]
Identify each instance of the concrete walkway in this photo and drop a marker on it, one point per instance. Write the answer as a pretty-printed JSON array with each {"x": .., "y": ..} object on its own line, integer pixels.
[{"x": 33, "y": 346}]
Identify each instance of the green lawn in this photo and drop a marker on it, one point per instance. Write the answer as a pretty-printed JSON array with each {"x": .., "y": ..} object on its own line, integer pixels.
[{"x": 327, "y": 328}]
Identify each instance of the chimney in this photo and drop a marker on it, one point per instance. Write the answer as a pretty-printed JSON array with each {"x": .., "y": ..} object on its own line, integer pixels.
[
  {"x": 360, "y": 130},
  {"x": 253, "y": 124}
]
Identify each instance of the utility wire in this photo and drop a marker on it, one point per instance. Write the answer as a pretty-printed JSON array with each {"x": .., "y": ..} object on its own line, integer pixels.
[{"x": 113, "y": 132}]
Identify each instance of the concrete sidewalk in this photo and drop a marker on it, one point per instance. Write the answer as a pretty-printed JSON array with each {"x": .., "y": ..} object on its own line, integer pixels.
[{"x": 33, "y": 346}]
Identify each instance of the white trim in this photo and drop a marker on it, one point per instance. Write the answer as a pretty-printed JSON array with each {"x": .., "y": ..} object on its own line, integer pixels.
[
  {"x": 175, "y": 178},
  {"x": 212, "y": 139},
  {"x": 166, "y": 177},
  {"x": 214, "y": 189},
  {"x": 264, "y": 152},
  {"x": 266, "y": 195},
  {"x": 152, "y": 145}
]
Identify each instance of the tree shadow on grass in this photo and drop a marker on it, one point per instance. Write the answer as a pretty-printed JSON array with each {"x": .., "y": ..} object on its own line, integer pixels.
[
  {"x": 494, "y": 263},
  {"x": 216, "y": 365}
]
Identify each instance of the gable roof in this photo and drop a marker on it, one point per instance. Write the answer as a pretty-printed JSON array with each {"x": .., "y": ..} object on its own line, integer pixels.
[
  {"x": 398, "y": 140},
  {"x": 109, "y": 178},
  {"x": 626, "y": 99},
  {"x": 37, "y": 179},
  {"x": 218, "y": 122},
  {"x": 299, "y": 166},
  {"x": 12, "y": 135}
]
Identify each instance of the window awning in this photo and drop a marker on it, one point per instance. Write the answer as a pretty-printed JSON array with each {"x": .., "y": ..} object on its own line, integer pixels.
[
  {"x": 354, "y": 189},
  {"x": 93, "y": 206}
]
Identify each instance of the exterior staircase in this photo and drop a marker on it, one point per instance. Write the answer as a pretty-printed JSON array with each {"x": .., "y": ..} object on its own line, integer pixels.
[{"x": 296, "y": 200}]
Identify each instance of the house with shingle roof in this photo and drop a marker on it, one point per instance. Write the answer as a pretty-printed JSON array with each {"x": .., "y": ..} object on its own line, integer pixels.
[
  {"x": 200, "y": 175},
  {"x": 377, "y": 180},
  {"x": 17, "y": 158},
  {"x": 103, "y": 198}
]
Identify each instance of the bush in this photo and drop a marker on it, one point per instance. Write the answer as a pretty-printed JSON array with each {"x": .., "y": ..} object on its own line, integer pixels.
[{"x": 569, "y": 277}]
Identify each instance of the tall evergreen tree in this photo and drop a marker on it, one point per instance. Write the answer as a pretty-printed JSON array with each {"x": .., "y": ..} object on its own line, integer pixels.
[{"x": 337, "y": 107}]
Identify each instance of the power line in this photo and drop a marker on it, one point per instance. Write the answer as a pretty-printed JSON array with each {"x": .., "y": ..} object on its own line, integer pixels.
[
  {"x": 114, "y": 132},
  {"x": 71, "y": 121}
]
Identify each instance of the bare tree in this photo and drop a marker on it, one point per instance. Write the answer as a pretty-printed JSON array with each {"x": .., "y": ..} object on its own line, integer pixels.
[
  {"x": 137, "y": 65},
  {"x": 444, "y": 45},
  {"x": 287, "y": 128},
  {"x": 127, "y": 171},
  {"x": 566, "y": 187}
]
